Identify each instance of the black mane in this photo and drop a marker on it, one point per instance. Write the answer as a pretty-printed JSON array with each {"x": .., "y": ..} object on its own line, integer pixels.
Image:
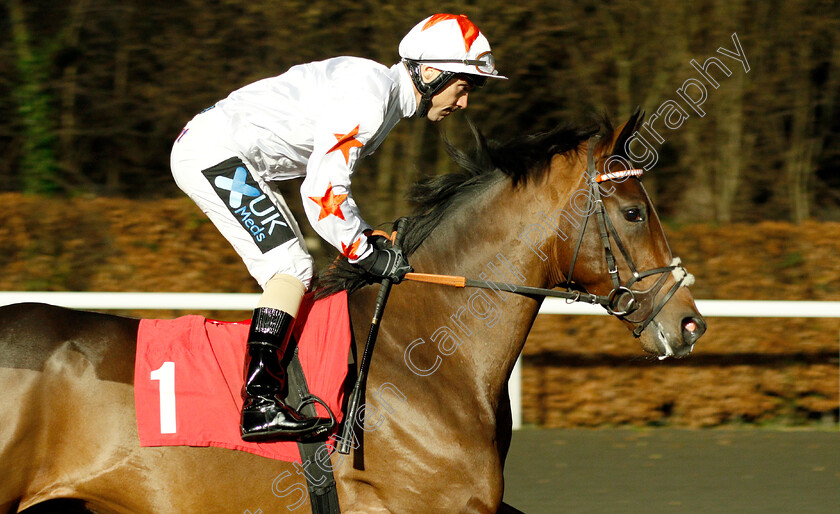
[{"x": 520, "y": 160}]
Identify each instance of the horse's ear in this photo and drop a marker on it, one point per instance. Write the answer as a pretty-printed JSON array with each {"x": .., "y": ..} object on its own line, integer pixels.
[{"x": 626, "y": 131}]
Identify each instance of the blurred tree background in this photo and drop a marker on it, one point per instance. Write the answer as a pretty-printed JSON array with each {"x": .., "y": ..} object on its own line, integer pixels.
[{"x": 92, "y": 92}]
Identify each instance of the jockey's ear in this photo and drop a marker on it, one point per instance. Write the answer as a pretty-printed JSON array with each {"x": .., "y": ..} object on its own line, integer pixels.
[
  {"x": 428, "y": 73},
  {"x": 627, "y": 131}
]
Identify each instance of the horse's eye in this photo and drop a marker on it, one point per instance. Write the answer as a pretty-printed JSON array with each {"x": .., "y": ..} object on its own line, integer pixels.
[{"x": 633, "y": 214}]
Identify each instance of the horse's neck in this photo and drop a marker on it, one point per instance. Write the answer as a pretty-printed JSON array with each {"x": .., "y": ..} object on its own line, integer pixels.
[{"x": 481, "y": 241}]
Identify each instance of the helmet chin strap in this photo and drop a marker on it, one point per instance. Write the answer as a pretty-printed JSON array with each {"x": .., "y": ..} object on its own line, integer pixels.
[
  {"x": 423, "y": 107},
  {"x": 427, "y": 89}
]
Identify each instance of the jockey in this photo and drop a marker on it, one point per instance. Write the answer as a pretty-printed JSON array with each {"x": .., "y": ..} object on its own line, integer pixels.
[{"x": 315, "y": 121}]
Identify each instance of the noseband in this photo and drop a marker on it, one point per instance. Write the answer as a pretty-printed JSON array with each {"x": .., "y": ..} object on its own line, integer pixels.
[{"x": 623, "y": 294}]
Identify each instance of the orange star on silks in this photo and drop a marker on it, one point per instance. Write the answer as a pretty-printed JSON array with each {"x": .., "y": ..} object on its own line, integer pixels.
[
  {"x": 330, "y": 203},
  {"x": 468, "y": 29},
  {"x": 350, "y": 251},
  {"x": 346, "y": 142}
]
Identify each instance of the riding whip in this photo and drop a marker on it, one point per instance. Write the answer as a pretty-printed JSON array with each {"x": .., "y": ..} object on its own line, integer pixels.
[{"x": 355, "y": 395}]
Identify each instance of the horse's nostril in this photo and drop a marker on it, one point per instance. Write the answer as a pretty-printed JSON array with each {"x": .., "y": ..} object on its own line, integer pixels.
[{"x": 692, "y": 329}]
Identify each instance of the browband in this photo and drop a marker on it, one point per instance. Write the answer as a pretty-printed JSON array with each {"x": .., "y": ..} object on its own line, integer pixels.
[{"x": 618, "y": 174}]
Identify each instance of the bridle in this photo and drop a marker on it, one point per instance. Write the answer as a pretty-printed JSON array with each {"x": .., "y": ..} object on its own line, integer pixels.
[
  {"x": 622, "y": 293},
  {"x": 632, "y": 299}
]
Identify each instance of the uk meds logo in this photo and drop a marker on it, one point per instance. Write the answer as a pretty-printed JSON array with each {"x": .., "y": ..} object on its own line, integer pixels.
[
  {"x": 237, "y": 187},
  {"x": 248, "y": 204}
]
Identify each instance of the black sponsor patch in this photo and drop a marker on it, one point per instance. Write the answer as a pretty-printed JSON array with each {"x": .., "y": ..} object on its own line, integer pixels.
[{"x": 248, "y": 204}]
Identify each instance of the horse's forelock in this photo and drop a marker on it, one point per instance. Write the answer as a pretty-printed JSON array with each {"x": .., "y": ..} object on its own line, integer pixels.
[{"x": 612, "y": 143}]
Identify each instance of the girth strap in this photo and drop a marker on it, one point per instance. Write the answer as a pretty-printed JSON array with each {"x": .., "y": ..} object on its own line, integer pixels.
[{"x": 323, "y": 496}]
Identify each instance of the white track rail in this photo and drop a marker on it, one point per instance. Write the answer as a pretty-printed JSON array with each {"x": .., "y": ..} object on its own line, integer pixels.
[{"x": 246, "y": 302}]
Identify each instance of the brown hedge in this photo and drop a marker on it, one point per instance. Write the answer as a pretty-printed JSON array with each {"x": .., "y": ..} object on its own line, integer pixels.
[{"x": 579, "y": 371}]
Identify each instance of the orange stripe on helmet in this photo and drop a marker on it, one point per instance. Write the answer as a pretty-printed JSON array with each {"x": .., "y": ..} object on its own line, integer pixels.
[{"x": 468, "y": 30}]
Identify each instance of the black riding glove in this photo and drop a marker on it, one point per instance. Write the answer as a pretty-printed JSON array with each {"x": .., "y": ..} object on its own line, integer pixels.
[
  {"x": 386, "y": 262},
  {"x": 379, "y": 242}
]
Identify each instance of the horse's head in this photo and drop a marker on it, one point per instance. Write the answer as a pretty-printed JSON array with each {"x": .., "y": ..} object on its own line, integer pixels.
[{"x": 619, "y": 250}]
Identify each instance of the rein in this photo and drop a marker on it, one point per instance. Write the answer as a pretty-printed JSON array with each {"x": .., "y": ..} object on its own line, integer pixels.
[
  {"x": 612, "y": 301},
  {"x": 456, "y": 281}
]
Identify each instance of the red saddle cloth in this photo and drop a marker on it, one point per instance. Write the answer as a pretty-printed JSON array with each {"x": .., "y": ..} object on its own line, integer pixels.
[{"x": 189, "y": 373}]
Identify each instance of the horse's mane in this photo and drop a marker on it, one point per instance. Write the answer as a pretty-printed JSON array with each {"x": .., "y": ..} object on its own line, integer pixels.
[{"x": 520, "y": 160}]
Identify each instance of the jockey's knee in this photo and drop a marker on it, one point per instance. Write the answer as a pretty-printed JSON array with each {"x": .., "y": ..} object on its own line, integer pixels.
[{"x": 283, "y": 292}]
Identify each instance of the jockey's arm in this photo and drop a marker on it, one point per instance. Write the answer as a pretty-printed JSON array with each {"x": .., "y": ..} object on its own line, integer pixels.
[{"x": 327, "y": 199}]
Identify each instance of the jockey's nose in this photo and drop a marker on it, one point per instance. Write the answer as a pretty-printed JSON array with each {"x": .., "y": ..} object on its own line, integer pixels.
[{"x": 462, "y": 102}]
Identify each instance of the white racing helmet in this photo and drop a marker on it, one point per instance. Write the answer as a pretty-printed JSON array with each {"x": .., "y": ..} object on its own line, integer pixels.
[{"x": 450, "y": 43}]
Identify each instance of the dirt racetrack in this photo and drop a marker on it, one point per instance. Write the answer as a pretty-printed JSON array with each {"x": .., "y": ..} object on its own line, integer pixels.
[{"x": 674, "y": 470}]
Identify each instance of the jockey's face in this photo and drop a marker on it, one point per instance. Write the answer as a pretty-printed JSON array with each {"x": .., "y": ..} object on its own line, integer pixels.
[{"x": 449, "y": 99}]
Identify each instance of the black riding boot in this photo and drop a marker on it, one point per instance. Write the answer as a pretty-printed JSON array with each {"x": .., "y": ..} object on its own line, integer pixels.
[{"x": 264, "y": 415}]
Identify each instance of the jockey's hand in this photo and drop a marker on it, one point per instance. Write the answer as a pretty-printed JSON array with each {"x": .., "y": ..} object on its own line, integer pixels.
[
  {"x": 379, "y": 242},
  {"x": 387, "y": 263}
]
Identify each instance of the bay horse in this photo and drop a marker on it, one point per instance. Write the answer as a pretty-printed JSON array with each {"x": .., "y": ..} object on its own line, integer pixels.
[{"x": 438, "y": 423}]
